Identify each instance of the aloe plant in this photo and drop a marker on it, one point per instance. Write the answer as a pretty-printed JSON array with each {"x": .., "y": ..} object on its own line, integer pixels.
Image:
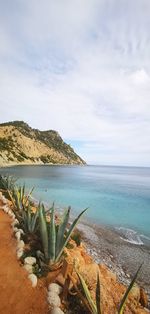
[
  {"x": 20, "y": 198},
  {"x": 124, "y": 299},
  {"x": 94, "y": 308},
  {"x": 29, "y": 220},
  {"x": 55, "y": 238},
  {"x": 7, "y": 184}
]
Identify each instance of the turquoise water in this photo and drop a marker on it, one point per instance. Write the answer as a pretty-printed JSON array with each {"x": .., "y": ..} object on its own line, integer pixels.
[{"x": 116, "y": 196}]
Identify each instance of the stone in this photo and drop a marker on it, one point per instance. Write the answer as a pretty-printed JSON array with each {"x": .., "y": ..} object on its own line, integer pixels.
[
  {"x": 33, "y": 279},
  {"x": 53, "y": 299},
  {"x": 56, "y": 310},
  {"x": 20, "y": 244},
  {"x": 18, "y": 235},
  {"x": 54, "y": 287},
  {"x": 15, "y": 222},
  {"x": 15, "y": 229},
  {"x": 28, "y": 268},
  {"x": 21, "y": 231},
  {"x": 19, "y": 253},
  {"x": 30, "y": 260}
]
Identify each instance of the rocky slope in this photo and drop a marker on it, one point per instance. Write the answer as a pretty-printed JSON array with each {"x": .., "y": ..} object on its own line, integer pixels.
[{"x": 20, "y": 144}]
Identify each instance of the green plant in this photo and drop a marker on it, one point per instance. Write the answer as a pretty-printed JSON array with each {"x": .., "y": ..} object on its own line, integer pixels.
[
  {"x": 124, "y": 299},
  {"x": 7, "y": 182},
  {"x": 55, "y": 237},
  {"x": 29, "y": 220},
  {"x": 96, "y": 308},
  {"x": 92, "y": 307}
]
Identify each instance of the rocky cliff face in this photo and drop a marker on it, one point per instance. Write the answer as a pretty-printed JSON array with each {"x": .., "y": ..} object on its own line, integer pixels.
[{"x": 20, "y": 144}]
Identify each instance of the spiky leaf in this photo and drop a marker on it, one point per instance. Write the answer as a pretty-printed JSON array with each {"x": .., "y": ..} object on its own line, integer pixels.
[
  {"x": 122, "y": 305},
  {"x": 52, "y": 236},
  {"x": 66, "y": 239},
  {"x": 43, "y": 230},
  {"x": 98, "y": 302},
  {"x": 61, "y": 230},
  {"x": 87, "y": 294}
]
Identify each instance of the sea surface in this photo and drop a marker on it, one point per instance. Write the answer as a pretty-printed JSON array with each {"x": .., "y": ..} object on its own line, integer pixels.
[{"x": 118, "y": 197}]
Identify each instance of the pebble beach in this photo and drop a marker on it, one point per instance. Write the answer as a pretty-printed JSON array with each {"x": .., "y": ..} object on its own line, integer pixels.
[{"x": 105, "y": 245}]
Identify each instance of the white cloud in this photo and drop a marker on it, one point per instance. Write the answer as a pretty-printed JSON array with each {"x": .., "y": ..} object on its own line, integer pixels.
[{"x": 82, "y": 68}]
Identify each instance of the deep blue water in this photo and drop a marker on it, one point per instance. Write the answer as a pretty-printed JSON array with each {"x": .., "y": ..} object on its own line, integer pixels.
[{"x": 116, "y": 196}]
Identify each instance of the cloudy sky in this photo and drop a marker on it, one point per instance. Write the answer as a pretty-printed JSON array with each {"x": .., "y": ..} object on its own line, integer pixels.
[{"x": 81, "y": 67}]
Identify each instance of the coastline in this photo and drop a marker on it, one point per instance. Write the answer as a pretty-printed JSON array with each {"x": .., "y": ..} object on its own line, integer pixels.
[
  {"x": 106, "y": 246},
  {"x": 38, "y": 164}
]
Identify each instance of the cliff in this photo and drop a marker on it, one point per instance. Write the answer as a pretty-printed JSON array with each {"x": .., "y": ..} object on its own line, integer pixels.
[{"x": 20, "y": 144}]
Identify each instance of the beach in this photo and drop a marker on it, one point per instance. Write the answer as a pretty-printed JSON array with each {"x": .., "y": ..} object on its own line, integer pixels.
[{"x": 106, "y": 246}]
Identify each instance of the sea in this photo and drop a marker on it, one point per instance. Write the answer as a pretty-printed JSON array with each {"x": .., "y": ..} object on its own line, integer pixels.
[{"x": 117, "y": 197}]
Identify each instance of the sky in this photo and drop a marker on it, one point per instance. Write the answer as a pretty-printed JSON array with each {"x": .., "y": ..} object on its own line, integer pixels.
[{"x": 81, "y": 67}]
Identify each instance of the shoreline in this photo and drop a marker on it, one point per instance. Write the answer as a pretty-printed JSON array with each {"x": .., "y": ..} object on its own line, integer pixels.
[
  {"x": 38, "y": 164},
  {"x": 105, "y": 245}
]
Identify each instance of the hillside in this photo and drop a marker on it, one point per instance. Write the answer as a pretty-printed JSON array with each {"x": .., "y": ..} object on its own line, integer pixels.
[{"x": 20, "y": 144}]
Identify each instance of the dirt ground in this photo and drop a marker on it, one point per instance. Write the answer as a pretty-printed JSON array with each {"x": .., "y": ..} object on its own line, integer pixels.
[{"x": 16, "y": 293}]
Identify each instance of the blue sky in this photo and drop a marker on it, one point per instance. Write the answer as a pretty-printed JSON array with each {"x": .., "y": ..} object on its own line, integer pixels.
[{"x": 82, "y": 68}]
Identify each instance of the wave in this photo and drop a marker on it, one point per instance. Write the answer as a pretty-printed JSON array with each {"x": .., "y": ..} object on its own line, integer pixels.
[{"x": 130, "y": 235}]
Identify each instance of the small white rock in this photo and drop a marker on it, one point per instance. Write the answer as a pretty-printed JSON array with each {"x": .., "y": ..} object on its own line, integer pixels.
[
  {"x": 53, "y": 299},
  {"x": 19, "y": 253},
  {"x": 10, "y": 212},
  {"x": 54, "y": 287},
  {"x": 33, "y": 279},
  {"x": 56, "y": 310},
  {"x": 28, "y": 268},
  {"x": 18, "y": 235},
  {"x": 5, "y": 209},
  {"x": 20, "y": 244},
  {"x": 15, "y": 222},
  {"x": 21, "y": 231},
  {"x": 30, "y": 260},
  {"x": 15, "y": 229}
]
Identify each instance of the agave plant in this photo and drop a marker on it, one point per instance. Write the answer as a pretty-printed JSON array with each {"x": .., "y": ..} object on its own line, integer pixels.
[
  {"x": 94, "y": 308},
  {"x": 7, "y": 184},
  {"x": 20, "y": 198},
  {"x": 29, "y": 220},
  {"x": 55, "y": 237},
  {"x": 124, "y": 299}
]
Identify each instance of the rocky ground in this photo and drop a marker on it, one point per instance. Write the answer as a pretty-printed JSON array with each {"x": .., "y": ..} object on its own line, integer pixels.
[{"x": 123, "y": 258}]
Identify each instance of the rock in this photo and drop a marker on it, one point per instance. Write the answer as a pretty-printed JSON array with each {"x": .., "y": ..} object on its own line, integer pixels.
[
  {"x": 15, "y": 222},
  {"x": 5, "y": 209},
  {"x": 53, "y": 299},
  {"x": 28, "y": 268},
  {"x": 30, "y": 260},
  {"x": 54, "y": 287},
  {"x": 18, "y": 235},
  {"x": 21, "y": 231},
  {"x": 56, "y": 310},
  {"x": 10, "y": 213},
  {"x": 33, "y": 280},
  {"x": 15, "y": 229},
  {"x": 19, "y": 253},
  {"x": 143, "y": 298},
  {"x": 20, "y": 244}
]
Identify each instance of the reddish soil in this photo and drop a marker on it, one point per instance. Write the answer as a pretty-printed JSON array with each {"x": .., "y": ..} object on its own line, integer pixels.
[{"x": 16, "y": 293}]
